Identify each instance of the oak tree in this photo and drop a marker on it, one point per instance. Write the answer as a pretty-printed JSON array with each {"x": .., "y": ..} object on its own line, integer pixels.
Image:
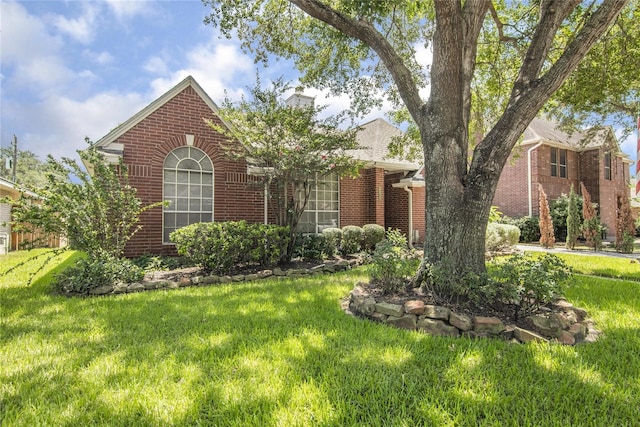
[{"x": 368, "y": 48}]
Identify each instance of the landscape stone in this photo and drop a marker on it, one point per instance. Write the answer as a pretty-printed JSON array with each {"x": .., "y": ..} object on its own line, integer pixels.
[
  {"x": 120, "y": 288},
  {"x": 101, "y": 290},
  {"x": 460, "y": 321},
  {"x": 579, "y": 331},
  {"x": 437, "y": 327},
  {"x": 581, "y": 313},
  {"x": 390, "y": 309},
  {"x": 265, "y": 273},
  {"x": 524, "y": 335},
  {"x": 547, "y": 326},
  {"x": 279, "y": 272},
  {"x": 209, "y": 280},
  {"x": 226, "y": 279},
  {"x": 566, "y": 338},
  {"x": 182, "y": 282},
  {"x": 151, "y": 285},
  {"x": 414, "y": 307},
  {"x": 378, "y": 317},
  {"x": 436, "y": 312},
  {"x": 172, "y": 285},
  {"x": 252, "y": 277},
  {"x": 364, "y": 304},
  {"x": 135, "y": 287},
  {"x": 490, "y": 325},
  {"x": 408, "y": 321}
]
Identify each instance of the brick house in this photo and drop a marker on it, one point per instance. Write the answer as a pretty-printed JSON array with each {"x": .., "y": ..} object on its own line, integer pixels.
[
  {"x": 558, "y": 160},
  {"x": 171, "y": 154}
]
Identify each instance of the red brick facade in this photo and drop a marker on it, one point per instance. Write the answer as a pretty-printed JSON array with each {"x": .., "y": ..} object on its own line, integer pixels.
[{"x": 587, "y": 165}]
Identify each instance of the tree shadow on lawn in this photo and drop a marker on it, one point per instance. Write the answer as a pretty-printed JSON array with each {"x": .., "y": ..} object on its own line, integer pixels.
[{"x": 282, "y": 352}]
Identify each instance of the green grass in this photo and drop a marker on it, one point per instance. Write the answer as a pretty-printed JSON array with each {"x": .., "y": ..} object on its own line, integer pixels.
[
  {"x": 282, "y": 353},
  {"x": 593, "y": 265}
]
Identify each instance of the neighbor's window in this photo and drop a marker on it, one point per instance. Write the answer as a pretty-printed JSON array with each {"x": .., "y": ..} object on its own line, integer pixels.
[
  {"x": 558, "y": 162},
  {"x": 322, "y": 209},
  {"x": 607, "y": 166},
  {"x": 188, "y": 187}
]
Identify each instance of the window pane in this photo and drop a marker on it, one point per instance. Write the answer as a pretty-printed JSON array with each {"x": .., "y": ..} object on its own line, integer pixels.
[
  {"x": 194, "y": 191},
  {"x": 195, "y": 177},
  {"x": 189, "y": 164},
  {"x": 554, "y": 155},
  {"x": 182, "y": 205},
  {"x": 554, "y": 170},
  {"x": 207, "y": 178},
  {"x": 169, "y": 190},
  {"x": 165, "y": 235},
  {"x": 206, "y": 217},
  {"x": 193, "y": 218},
  {"x": 169, "y": 220},
  {"x": 169, "y": 176},
  {"x": 183, "y": 177},
  {"x": 183, "y": 190},
  {"x": 196, "y": 154},
  {"x": 207, "y": 191},
  {"x": 181, "y": 152},
  {"x": 194, "y": 205},
  {"x": 563, "y": 157},
  {"x": 182, "y": 219},
  {"x": 171, "y": 161}
]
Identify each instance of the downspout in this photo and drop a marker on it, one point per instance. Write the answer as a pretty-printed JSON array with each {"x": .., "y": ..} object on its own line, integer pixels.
[
  {"x": 266, "y": 202},
  {"x": 410, "y": 233},
  {"x": 529, "y": 177}
]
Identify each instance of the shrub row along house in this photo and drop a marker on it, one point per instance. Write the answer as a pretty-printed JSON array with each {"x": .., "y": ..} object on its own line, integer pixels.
[
  {"x": 558, "y": 160},
  {"x": 172, "y": 155}
]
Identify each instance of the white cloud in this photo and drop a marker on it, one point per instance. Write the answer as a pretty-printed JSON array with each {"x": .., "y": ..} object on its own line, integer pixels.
[
  {"x": 156, "y": 65},
  {"x": 216, "y": 66},
  {"x": 125, "y": 9},
  {"x": 100, "y": 58},
  {"x": 81, "y": 28}
]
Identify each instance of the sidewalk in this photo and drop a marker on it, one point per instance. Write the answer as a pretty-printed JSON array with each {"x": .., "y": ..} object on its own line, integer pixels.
[{"x": 563, "y": 250}]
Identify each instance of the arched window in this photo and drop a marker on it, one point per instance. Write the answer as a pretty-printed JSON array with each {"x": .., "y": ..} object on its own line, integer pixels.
[{"x": 188, "y": 187}]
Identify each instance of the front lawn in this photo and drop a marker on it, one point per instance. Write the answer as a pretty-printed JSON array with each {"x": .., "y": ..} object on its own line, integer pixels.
[{"x": 281, "y": 352}]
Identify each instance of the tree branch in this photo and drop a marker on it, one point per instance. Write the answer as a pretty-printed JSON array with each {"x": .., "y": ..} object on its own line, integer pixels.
[{"x": 362, "y": 30}]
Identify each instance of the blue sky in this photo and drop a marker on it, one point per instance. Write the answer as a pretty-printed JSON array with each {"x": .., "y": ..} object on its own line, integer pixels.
[{"x": 71, "y": 69}]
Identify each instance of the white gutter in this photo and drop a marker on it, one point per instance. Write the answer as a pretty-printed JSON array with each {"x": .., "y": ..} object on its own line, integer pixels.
[
  {"x": 529, "y": 177},
  {"x": 266, "y": 203},
  {"x": 410, "y": 233}
]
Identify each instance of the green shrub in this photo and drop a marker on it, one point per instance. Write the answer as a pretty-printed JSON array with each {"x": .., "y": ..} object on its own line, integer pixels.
[
  {"x": 373, "y": 234},
  {"x": 529, "y": 227},
  {"x": 392, "y": 262},
  {"x": 333, "y": 240},
  {"x": 219, "y": 246},
  {"x": 88, "y": 273},
  {"x": 310, "y": 247},
  {"x": 524, "y": 283},
  {"x": 501, "y": 236},
  {"x": 352, "y": 237}
]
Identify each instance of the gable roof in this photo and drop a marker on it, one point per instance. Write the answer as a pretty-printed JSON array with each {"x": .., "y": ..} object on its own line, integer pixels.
[
  {"x": 105, "y": 142},
  {"x": 542, "y": 130},
  {"x": 374, "y": 138}
]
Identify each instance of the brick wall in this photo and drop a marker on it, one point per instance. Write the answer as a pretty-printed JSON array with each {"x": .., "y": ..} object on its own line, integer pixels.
[
  {"x": 147, "y": 144},
  {"x": 512, "y": 193},
  {"x": 362, "y": 199}
]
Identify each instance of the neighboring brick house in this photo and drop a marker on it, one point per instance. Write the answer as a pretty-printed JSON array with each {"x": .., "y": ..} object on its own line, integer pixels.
[
  {"x": 171, "y": 154},
  {"x": 558, "y": 160}
]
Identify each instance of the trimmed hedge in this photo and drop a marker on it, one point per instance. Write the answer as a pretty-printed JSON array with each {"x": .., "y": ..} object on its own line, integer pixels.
[
  {"x": 219, "y": 246},
  {"x": 373, "y": 234},
  {"x": 333, "y": 240},
  {"x": 501, "y": 236},
  {"x": 352, "y": 237},
  {"x": 529, "y": 227}
]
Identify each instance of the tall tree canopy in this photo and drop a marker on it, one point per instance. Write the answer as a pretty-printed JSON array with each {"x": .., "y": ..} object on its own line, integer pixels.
[{"x": 520, "y": 53}]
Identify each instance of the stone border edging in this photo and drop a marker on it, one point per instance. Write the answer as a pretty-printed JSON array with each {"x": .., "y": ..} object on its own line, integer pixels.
[
  {"x": 151, "y": 283},
  {"x": 567, "y": 324}
]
